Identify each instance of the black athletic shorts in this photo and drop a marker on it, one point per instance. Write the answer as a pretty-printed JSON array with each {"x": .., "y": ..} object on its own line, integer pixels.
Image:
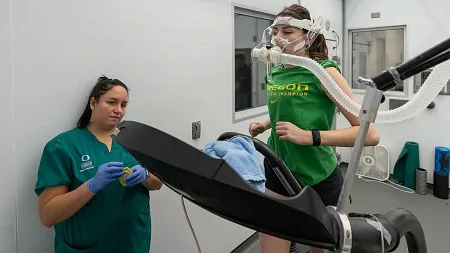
[{"x": 329, "y": 189}]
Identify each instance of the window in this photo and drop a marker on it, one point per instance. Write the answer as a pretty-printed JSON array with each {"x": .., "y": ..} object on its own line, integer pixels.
[
  {"x": 375, "y": 50},
  {"x": 420, "y": 78},
  {"x": 249, "y": 86}
]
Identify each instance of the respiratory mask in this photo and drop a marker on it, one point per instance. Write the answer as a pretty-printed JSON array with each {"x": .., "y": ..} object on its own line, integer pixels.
[{"x": 296, "y": 45}]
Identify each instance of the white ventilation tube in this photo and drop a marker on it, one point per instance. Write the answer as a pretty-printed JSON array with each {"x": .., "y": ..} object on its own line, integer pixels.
[{"x": 426, "y": 94}]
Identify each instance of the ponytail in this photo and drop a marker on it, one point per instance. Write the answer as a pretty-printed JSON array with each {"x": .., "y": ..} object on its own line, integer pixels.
[
  {"x": 85, "y": 117},
  {"x": 319, "y": 49}
]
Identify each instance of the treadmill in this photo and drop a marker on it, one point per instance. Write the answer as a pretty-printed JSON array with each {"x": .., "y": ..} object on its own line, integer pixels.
[{"x": 214, "y": 186}]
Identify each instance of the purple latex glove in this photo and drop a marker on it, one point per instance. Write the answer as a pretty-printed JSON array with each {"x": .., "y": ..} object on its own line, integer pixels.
[
  {"x": 106, "y": 174},
  {"x": 140, "y": 175}
]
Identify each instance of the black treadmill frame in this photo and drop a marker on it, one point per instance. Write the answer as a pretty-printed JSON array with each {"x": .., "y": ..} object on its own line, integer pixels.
[{"x": 214, "y": 186}]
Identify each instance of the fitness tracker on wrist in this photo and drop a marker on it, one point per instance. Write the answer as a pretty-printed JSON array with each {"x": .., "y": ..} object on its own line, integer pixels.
[{"x": 316, "y": 137}]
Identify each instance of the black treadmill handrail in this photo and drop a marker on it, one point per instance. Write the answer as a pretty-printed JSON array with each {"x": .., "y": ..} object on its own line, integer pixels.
[{"x": 213, "y": 185}]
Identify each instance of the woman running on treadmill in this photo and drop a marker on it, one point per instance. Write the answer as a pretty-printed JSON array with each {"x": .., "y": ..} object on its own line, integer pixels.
[{"x": 301, "y": 114}]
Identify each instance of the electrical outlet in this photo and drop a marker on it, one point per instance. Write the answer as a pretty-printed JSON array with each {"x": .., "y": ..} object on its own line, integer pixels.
[
  {"x": 196, "y": 130},
  {"x": 375, "y": 15},
  {"x": 327, "y": 25}
]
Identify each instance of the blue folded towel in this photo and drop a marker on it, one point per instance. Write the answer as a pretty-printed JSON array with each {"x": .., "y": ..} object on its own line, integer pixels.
[{"x": 240, "y": 153}]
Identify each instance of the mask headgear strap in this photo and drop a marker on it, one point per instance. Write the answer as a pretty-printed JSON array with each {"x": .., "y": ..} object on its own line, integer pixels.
[{"x": 298, "y": 23}]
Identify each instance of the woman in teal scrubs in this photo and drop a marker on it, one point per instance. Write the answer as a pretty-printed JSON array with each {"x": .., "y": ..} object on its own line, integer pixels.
[{"x": 78, "y": 182}]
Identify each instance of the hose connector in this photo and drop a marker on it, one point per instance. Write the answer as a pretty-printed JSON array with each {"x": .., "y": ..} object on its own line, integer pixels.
[{"x": 275, "y": 53}]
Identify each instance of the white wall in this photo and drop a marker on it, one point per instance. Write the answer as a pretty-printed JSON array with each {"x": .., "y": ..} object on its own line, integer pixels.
[
  {"x": 7, "y": 182},
  {"x": 167, "y": 52},
  {"x": 424, "y": 29},
  {"x": 329, "y": 10}
]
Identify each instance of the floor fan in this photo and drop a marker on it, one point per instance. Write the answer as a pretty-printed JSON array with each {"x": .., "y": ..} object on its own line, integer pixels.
[{"x": 374, "y": 163}]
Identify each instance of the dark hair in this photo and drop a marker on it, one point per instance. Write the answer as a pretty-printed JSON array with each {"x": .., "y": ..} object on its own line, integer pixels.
[
  {"x": 103, "y": 85},
  {"x": 318, "y": 49}
]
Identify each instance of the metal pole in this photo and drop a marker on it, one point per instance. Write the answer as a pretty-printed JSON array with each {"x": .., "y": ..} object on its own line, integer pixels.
[{"x": 367, "y": 115}]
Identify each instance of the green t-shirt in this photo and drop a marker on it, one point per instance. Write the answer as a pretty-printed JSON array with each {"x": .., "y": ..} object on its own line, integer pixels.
[
  {"x": 117, "y": 219},
  {"x": 294, "y": 95}
]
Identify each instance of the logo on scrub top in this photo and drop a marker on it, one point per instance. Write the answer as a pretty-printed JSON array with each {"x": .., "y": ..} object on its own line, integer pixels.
[{"x": 86, "y": 163}]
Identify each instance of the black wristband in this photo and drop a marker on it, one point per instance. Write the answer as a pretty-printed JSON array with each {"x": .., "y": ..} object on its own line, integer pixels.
[{"x": 316, "y": 137}]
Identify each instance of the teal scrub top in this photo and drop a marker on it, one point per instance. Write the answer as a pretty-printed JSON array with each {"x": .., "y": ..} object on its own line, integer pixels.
[{"x": 117, "y": 219}]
